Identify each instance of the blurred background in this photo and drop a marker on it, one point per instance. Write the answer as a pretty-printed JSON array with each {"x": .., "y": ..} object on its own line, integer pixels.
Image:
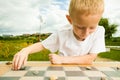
[{"x": 24, "y": 22}]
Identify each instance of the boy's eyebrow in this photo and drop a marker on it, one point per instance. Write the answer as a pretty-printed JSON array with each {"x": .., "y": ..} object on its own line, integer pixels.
[
  {"x": 78, "y": 25},
  {"x": 82, "y": 26}
]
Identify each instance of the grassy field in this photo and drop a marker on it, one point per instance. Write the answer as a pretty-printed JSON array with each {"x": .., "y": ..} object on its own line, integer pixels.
[
  {"x": 114, "y": 54},
  {"x": 10, "y": 47}
]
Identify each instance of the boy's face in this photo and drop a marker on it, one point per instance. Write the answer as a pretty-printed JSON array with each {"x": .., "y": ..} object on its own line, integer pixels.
[{"x": 84, "y": 25}]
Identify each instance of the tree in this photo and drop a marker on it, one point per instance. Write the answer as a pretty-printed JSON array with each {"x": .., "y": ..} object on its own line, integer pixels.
[{"x": 109, "y": 28}]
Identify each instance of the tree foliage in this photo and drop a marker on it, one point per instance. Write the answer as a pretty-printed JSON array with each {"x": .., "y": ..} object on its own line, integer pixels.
[{"x": 110, "y": 29}]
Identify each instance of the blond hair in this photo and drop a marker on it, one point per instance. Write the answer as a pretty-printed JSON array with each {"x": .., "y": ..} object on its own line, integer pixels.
[{"x": 86, "y": 7}]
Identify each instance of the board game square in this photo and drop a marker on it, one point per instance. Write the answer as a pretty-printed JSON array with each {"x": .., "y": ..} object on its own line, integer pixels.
[
  {"x": 104, "y": 69},
  {"x": 33, "y": 73},
  {"x": 72, "y": 68},
  {"x": 59, "y": 78},
  {"x": 32, "y": 78},
  {"x": 27, "y": 67},
  {"x": 118, "y": 72},
  {"x": 53, "y": 68},
  {"x": 112, "y": 73},
  {"x": 74, "y": 73},
  {"x": 95, "y": 78},
  {"x": 9, "y": 78},
  {"x": 38, "y": 68},
  {"x": 115, "y": 78},
  {"x": 15, "y": 73},
  {"x": 116, "y": 68},
  {"x": 78, "y": 78},
  {"x": 94, "y": 74},
  {"x": 55, "y": 73}
]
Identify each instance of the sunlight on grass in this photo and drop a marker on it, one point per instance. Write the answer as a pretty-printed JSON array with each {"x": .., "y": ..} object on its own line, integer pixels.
[{"x": 113, "y": 54}]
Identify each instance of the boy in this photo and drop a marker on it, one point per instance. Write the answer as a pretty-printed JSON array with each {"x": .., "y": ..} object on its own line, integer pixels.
[{"x": 79, "y": 44}]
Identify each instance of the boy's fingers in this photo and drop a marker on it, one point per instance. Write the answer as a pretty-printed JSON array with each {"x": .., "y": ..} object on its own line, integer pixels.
[
  {"x": 51, "y": 61},
  {"x": 50, "y": 56},
  {"x": 24, "y": 62},
  {"x": 15, "y": 62},
  {"x": 20, "y": 62}
]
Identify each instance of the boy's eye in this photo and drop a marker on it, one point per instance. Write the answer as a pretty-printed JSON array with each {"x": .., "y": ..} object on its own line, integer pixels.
[
  {"x": 80, "y": 27},
  {"x": 92, "y": 27},
  {"x": 83, "y": 28}
]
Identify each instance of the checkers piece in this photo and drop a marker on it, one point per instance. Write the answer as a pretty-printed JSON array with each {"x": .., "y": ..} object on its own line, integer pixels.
[
  {"x": 118, "y": 68},
  {"x": 8, "y": 63},
  {"x": 88, "y": 68},
  {"x": 53, "y": 77},
  {"x": 103, "y": 78},
  {"x": 35, "y": 72},
  {"x": 22, "y": 68}
]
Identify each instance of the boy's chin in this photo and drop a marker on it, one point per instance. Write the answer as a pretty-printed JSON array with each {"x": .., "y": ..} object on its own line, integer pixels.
[{"x": 83, "y": 38}]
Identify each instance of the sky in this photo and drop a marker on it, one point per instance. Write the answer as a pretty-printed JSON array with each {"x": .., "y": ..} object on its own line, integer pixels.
[{"x": 44, "y": 16}]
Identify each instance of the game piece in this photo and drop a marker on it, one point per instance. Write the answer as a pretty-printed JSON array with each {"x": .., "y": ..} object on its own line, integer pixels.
[
  {"x": 53, "y": 77},
  {"x": 8, "y": 63},
  {"x": 118, "y": 68},
  {"x": 103, "y": 78},
  {"x": 88, "y": 68},
  {"x": 22, "y": 68},
  {"x": 35, "y": 72}
]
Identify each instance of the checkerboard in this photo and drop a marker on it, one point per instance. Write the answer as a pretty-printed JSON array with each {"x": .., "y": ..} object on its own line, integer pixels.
[{"x": 63, "y": 73}]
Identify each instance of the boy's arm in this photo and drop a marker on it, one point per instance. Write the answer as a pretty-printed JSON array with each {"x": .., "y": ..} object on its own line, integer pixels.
[
  {"x": 35, "y": 48},
  {"x": 21, "y": 57},
  {"x": 85, "y": 59}
]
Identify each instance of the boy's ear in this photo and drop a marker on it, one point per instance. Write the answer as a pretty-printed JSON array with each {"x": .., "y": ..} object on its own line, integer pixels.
[{"x": 69, "y": 19}]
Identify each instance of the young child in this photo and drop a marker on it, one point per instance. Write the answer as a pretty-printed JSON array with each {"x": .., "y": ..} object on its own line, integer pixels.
[{"x": 79, "y": 44}]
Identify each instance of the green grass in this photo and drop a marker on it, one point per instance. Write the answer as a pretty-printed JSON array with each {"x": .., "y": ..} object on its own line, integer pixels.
[
  {"x": 40, "y": 56},
  {"x": 113, "y": 55},
  {"x": 8, "y": 48},
  {"x": 113, "y": 43}
]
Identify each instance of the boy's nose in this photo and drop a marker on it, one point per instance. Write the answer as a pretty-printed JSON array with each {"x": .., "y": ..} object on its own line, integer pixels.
[{"x": 86, "y": 32}]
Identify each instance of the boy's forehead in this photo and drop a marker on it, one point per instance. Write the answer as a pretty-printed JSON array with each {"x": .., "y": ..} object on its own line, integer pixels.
[
  {"x": 86, "y": 20},
  {"x": 78, "y": 17}
]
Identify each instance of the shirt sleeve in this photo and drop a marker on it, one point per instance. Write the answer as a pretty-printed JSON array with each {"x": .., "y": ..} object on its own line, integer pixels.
[
  {"x": 51, "y": 42},
  {"x": 99, "y": 42}
]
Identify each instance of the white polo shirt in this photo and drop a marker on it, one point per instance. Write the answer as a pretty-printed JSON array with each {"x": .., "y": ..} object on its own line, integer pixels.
[{"x": 65, "y": 42}]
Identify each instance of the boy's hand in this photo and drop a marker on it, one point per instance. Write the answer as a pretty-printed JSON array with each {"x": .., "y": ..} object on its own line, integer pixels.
[
  {"x": 55, "y": 59},
  {"x": 19, "y": 59}
]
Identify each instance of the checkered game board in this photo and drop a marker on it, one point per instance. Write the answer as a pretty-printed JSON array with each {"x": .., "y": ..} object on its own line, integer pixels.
[{"x": 63, "y": 73}]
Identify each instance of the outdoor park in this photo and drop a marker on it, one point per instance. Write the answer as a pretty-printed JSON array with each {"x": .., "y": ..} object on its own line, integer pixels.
[{"x": 9, "y": 44}]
